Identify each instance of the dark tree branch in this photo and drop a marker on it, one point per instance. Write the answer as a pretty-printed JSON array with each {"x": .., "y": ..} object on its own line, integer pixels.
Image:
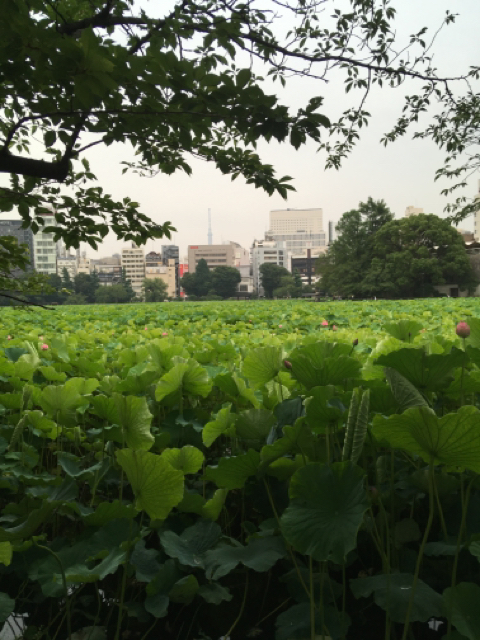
[
  {"x": 25, "y": 302},
  {"x": 57, "y": 171}
]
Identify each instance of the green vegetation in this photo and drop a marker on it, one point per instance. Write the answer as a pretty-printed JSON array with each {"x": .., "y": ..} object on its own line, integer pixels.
[
  {"x": 221, "y": 282},
  {"x": 156, "y": 289},
  {"x": 279, "y": 469},
  {"x": 376, "y": 255}
]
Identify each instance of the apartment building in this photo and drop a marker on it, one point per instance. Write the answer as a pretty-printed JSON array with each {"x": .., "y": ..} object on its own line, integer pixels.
[
  {"x": 70, "y": 264},
  {"x": 216, "y": 255},
  {"x": 108, "y": 270},
  {"x": 298, "y": 229},
  {"x": 133, "y": 262},
  {"x": 167, "y": 273},
  {"x": 271, "y": 252},
  {"x": 83, "y": 265},
  {"x": 23, "y": 236},
  {"x": 45, "y": 249}
]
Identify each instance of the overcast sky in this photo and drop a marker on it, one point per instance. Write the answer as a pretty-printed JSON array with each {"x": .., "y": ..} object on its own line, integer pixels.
[{"x": 402, "y": 174}]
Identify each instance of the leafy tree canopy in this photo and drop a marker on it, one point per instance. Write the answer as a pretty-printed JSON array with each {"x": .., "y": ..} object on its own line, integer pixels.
[
  {"x": 199, "y": 283},
  {"x": 271, "y": 277},
  {"x": 80, "y": 73},
  {"x": 117, "y": 293},
  {"x": 156, "y": 289},
  {"x": 225, "y": 281}
]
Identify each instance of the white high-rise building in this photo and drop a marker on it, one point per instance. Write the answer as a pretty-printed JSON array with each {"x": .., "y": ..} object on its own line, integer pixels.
[
  {"x": 45, "y": 249},
  {"x": 133, "y": 261},
  {"x": 271, "y": 252},
  {"x": 298, "y": 229}
]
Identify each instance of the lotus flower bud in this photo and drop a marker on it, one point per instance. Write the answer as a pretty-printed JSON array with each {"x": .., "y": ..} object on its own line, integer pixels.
[
  {"x": 165, "y": 333},
  {"x": 9, "y": 337},
  {"x": 287, "y": 364},
  {"x": 280, "y": 326},
  {"x": 334, "y": 328},
  {"x": 463, "y": 330},
  {"x": 44, "y": 347},
  {"x": 146, "y": 328},
  {"x": 324, "y": 323},
  {"x": 355, "y": 342}
]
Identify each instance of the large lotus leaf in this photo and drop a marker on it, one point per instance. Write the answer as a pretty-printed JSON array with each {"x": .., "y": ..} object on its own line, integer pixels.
[
  {"x": 158, "y": 487},
  {"x": 184, "y": 377},
  {"x": 6, "y": 552},
  {"x": 232, "y": 473},
  {"x": 321, "y": 412},
  {"x": 212, "y": 508},
  {"x": 330, "y": 371},
  {"x": 318, "y": 351},
  {"x": 132, "y": 417},
  {"x": 224, "y": 424},
  {"x": 171, "y": 382},
  {"x": 296, "y": 439},
  {"x": 426, "y": 372},
  {"x": 80, "y": 573},
  {"x": 82, "y": 386},
  {"x": 405, "y": 394},
  {"x": 184, "y": 590},
  {"x": 235, "y": 387},
  {"x": 7, "y": 607},
  {"x": 404, "y": 330},
  {"x": 190, "y": 547},
  {"x": 42, "y": 426},
  {"x": 254, "y": 425},
  {"x": 137, "y": 383},
  {"x": 262, "y": 365},
  {"x": 294, "y": 624},
  {"x": 393, "y": 592},
  {"x": 462, "y": 608},
  {"x": 161, "y": 353},
  {"x": 108, "y": 511},
  {"x": 452, "y": 440},
  {"x": 157, "y": 605},
  {"x": 260, "y": 555},
  {"x": 11, "y": 400},
  {"x": 28, "y": 363},
  {"x": 474, "y": 337},
  {"x": 214, "y": 593},
  {"x": 52, "y": 375},
  {"x": 188, "y": 459},
  {"x": 145, "y": 562},
  {"x": 326, "y": 509},
  {"x": 61, "y": 402},
  {"x": 36, "y": 518}
]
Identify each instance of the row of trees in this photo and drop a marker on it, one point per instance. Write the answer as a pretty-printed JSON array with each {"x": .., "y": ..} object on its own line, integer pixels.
[
  {"x": 375, "y": 255},
  {"x": 220, "y": 283}
]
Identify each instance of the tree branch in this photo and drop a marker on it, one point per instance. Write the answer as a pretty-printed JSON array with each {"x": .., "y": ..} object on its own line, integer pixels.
[
  {"x": 25, "y": 302},
  {"x": 57, "y": 171}
]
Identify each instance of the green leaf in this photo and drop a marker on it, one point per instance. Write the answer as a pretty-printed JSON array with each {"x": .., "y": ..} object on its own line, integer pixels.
[
  {"x": 224, "y": 424},
  {"x": 157, "y": 605},
  {"x": 320, "y": 413},
  {"x": 260, "y": 555},
  {"x": 7, "y": 607},
  {"x": 212, "y": 508},
  {"x": 214, "y": 593},
  {"x": 132, "y": 416},
  {"x": 108, "y": 511},
  {"x": 158, "y": 487},
  {"x": 403, "y": 391},
  {"x": 451, "y": 440},
  {"x": 312, "y": 373},
  {"x": 80, "y": 573},
  {"x": 190, "y": 547},
  {"x": 6, "y": 552},
  {"x": 188, "y": 459},
  {"x": 326, "y": 509},
  {"x": 294, "y": 624},
  {"x": 61, "y": 402},
  {"x": 90, "y": 633},
  {"x": 184, "y": 377},
  {"x": 393, "y": 592},
  {"x": 425, "y": 372},
  {"x": 185, "y": 590},
  {"x": 461, "y": 607},
  {"x": 254, "y": 425},
  {"x": 262, "y": 365},
  {"x": 232, "y": 473},
  {"x": 404, "y": 330},
  {"x": 145, "y": 562}
]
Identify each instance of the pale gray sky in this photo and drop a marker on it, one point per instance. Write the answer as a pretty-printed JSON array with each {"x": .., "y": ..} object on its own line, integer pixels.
[{"x": 401, "y": 174}]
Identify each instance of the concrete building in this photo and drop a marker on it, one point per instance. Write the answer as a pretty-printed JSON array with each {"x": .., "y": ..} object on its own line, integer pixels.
[
  {"x": 412, "y": 211},
  {"x": 70, "y": 264},
  {"x": 216, "y": 255},
  {"x": 167, "y": 273},
  {"x": 298, "y": 229},
  {"x": 133, "y": 261},
  {"x": 170, "y": 252},
  {"x": 23, "y": 236},
  {"x": 271, "y": 252},
  {"x": 45, "y": 249},
  {"x": 305, "y": 266},
  {"x": 83, "y": 265},
  {"x": 153, "y": 259},
  {"x": 108, "y": 270},
  {"x": 476, "y": 216}
]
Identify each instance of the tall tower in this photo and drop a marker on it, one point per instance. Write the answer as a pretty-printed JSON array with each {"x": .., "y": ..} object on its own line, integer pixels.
[{"x": 209, "y": 235}]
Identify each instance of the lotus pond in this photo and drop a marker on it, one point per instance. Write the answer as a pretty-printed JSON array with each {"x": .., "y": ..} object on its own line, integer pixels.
[{"x": 197, "y": 471}]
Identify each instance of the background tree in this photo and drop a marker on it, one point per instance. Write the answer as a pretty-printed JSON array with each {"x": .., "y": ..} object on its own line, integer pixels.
[
  {"x": 270, "y": 277},
  {"x": 225, "y": 281},
  {"x": 86, "y": 285},
  {"x": 198, "y": 284},
  {"x": 117, "y": 294},
  {"x": 98, "y": 74},
  {"x": 76, "y": 298},
  {"x": 67, "y": 281},
  {"x": 156, "y": 289},
  {"x": 413, "y": 255},
  {"x": 287, "y": 288},
  {"x": 127, "y": 284},
  {"x": 343, "y": 267},
  {"x": 188, "y": 284}
]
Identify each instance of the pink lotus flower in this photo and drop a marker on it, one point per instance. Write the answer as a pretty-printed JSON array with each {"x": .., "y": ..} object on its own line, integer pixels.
[
  {"x": 280, "y": 326},
  {"x": 287, "y": 364},
  {"x": 165, "y": 333},
  {"x": 9, "y": 337},
  {"x": 44, "y": 347},
  {"x": 146, "y": 328},
  {"x": 324, "y": 323},
  {"x": 463, "y": 330},
  {"x": 334, "y": 328}
]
